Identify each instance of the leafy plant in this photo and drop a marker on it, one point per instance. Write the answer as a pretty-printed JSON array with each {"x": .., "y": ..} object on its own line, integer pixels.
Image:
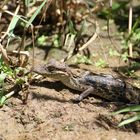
[
  {"x": 17, "y": 76},
  {"x": 41, "y": 41},
  {"x": 101, "y": 63},
  {"x": 56, "y": 41},
  {"x": 113, "y": 52},
  {"x": 5, "y": 71},
  {"x": 133, "y": 38},
  {"x": 78, "y": 59}
]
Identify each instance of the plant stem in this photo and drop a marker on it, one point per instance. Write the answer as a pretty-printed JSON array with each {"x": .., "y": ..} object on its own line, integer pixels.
[{"x": 130, "y": 27}]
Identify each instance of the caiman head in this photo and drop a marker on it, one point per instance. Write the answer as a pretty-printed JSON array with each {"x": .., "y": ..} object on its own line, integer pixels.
[{"x": 53, "y": 69}]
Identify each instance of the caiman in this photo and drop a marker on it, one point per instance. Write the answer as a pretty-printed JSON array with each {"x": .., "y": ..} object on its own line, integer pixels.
[{"x": 104, "y": 86}]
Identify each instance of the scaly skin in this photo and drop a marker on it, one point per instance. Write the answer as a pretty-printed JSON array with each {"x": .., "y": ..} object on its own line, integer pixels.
[{"x": 104, "y": 86}]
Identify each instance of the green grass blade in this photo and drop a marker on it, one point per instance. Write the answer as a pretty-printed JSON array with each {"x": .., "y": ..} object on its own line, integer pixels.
[
  {"x": 2, "y": 77},
  {"x": 130, "y": 120},
  {"x": 2, "y": 101},
  {"x": 22, "y": 18},
  {"x": 35, "y": 14},
  {"x": 128, "y": 109},
  {"x": 12, "y": 25}
]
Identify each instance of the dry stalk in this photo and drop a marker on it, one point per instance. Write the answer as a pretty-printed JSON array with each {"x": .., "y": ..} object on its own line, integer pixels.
[
  {"x": 130, "y": 27},
  {"x": 92, "y": 38},
  {"x": 4, "y": 54}
]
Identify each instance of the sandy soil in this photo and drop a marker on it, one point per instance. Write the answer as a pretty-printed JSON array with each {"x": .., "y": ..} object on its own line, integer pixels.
[{"x": 50, "y": 114}]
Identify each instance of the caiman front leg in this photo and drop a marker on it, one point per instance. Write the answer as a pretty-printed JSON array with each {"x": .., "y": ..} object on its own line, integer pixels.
[{"x": 84, "y": 94}]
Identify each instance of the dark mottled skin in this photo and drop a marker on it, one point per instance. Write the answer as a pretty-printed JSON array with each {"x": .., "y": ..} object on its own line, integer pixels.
[
  {"x": 107, "y": 87},
  {"x": 111, "y": 88}
]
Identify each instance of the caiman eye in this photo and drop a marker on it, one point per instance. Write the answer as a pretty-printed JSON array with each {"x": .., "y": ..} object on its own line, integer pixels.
[{"x": 51, "y": 68}]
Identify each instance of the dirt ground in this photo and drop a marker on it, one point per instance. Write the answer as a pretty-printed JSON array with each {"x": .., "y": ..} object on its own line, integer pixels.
[{"x": 50, "y": 115}]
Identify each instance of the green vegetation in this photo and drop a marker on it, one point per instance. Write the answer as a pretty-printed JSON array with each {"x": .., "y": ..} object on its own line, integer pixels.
[
  {"x": 101, "y": 63},
  {"x": 10, "y": 78},
  {"x": 132, "y": 118},
  {"x": 5, "y": 71}
]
